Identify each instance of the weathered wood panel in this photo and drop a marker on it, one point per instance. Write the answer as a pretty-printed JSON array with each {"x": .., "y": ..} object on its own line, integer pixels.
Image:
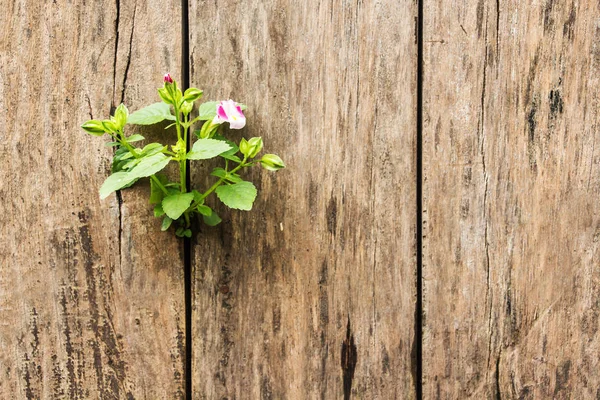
[
  {"x": 91, "y": 293},
  {"x": 511, "y": 184},
  {"x": 330, "y": 245}
]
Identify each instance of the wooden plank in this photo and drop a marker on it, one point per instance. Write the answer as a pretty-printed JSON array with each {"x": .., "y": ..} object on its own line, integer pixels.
[
  {"x": 511, "y": 208},
  {"x": 328, "y": 253},
  {"x": 91, "y": 292}
]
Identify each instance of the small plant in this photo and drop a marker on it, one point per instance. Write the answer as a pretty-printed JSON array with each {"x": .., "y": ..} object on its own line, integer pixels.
[{"x": 174, "y": 202}]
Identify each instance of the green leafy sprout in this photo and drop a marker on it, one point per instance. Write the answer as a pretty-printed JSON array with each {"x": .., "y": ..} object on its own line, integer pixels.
[{"x": 174, "y": 202}]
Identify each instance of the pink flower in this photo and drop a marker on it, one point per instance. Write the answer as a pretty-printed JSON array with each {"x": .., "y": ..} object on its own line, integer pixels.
[
  {"x": 229, "y": 111},
  {"x": 168, "y": 78}
]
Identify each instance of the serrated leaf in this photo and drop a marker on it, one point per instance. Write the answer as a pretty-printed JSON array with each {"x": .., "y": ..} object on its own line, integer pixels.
[
  {"x": 207, "y": 148},
  {"x": 115, "y": 182},
  {"x": 234, "y": 147},
  {"x": 239, "y": 195},
  {"x": 175, "y": 204},
  {"x": 166, "y": 223},
  {"x": 134, "y": 138},
  {"x": 207, "y": 110},
  {"x": 150, "y": 165},
  {"x": 212, "y": 220},
  {"x": 151, "y": 114}
]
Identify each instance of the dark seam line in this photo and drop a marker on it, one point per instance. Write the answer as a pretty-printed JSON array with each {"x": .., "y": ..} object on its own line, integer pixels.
[
  {"x": 187, "y": 242},
  {"x": 419, "y": 244}
]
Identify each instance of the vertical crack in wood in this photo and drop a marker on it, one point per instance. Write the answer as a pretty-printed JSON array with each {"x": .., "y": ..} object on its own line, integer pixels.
[
  {"x": 488, "y": 293},
  {"x": 497, "y": 30},
  {"x": 187, "y": 242},
  {"x": 111, "y": 112},
  {"x": 417, "y": 348},
  {"x": 124, "y": 85},
  {"x": 117, "y": 19},
  {"x": 349, "y": 360},
  {"x": 497, "y": 378}
]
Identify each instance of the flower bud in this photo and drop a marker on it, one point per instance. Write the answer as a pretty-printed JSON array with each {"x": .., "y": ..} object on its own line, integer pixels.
[
  {"x": 186, "y": 107},
  {"x": 94, "y": 127},
  {"x": 244, "y": 147},
  {"x": 110, "y": 125},
  {"x": 167, "y": 78},
  {"x": 208, "y": 130},
  {"x": 165, "y": 95},
  {"x": 121, "y": 114},
  {"x": 256, "y": 145},
  {"x": 192, "y": 94},
  {"x": 272, "y": 162}
]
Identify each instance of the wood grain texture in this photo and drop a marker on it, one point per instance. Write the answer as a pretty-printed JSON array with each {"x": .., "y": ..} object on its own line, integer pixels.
[
  {"x": 512, "y": 217},
  {"x": 91, "y": 293},
  {"x": 322, "y": 272}
]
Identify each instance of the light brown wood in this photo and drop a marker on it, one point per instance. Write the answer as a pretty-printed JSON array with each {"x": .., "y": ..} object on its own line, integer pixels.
[
  {"x": 91, "y": 292},
  {"x": 512, "y": 217},
  {"x": 330, "y": 244}
]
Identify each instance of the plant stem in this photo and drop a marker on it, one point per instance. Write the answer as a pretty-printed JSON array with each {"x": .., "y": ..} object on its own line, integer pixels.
[
  {"x": 182, "y": 151},
  {"x": 124, "y": 143}
]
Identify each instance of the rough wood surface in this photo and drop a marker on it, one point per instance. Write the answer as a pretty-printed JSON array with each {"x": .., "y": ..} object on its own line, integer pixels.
[
  {"x": 89, "y": 306},
  {"x": 322, "y": 272},
  {"x": 511, "y": 184}
]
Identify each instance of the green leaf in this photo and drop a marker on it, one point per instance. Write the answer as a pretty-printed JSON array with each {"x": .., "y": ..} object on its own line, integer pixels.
[
  {"x": 187, "y": 233},
  {"x": 166, "y": 223},
  {"x": 212, "y": 219},
  {"x": 153, "y": 148},
  {"x": 221, "y": 173},
  {"x": 150, "y": 165},
  {"x": 156, "y": 193},
  {"x": 204, "y": 210},
  {"x": 234, "y": 147},
  {"x": 112, "y": 144},
  {"x": 115, "y": 182},
  {"x": 134, "y": 138},
  {"x": 207, "y": 110},
  {"x": 207, "y": 148},
  {"x": 197, "y": 196},
  {"x": 239, "y": 195},
  {"x": 128, "y": 164},
  {"x": 231, "y": 158},
  {"x": 152, "y": 114},
  {"x": 120, "y": 159},
  {"x": 158, "y": 210},
  {"x": 175, "y": 204}
]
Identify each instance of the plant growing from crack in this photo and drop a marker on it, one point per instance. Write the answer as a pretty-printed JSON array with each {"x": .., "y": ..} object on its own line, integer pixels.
[{"x": 175, "y": 202}]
